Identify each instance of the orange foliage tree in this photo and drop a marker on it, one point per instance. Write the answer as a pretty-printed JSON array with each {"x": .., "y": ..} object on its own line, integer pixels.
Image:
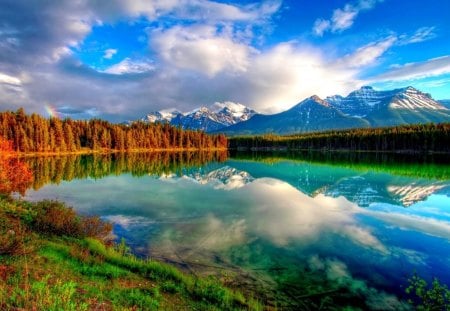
[{"x": 15, "y": 176}]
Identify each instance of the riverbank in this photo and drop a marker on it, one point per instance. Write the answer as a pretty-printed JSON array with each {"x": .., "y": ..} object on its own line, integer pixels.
[{"x": 51, "y": 258}]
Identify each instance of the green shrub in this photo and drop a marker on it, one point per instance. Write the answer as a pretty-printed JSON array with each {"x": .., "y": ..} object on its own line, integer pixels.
[{"x": 425, "y": 297}]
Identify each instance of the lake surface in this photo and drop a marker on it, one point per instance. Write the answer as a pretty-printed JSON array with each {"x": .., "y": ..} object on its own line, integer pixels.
[{"x": 299, "y": 231}]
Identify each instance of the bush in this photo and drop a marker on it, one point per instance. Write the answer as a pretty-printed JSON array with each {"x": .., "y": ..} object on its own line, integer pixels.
[
  {"x": 93, "y": 226},
  {"x": 12, "y": 236},
  {"x": 56, "y": 218}
]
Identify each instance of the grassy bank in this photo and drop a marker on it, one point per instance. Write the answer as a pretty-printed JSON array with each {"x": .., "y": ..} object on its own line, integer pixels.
[{"x": 53, "y": 259}]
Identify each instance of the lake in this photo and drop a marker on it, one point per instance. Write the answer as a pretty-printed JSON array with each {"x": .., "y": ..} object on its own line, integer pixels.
[{"x": 299, "y": 231}]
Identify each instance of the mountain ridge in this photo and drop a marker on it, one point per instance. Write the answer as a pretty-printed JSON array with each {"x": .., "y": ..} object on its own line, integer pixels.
[
  {"x": 364, "y": 107},
  {"x": 214, "y": 118}
]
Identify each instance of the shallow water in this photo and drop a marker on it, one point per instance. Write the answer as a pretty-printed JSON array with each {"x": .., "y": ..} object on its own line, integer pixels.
[{"x": 299, "y": 231}]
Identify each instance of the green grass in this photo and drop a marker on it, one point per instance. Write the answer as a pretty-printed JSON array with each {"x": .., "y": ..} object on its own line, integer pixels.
[{"x": 60, "y": 272}]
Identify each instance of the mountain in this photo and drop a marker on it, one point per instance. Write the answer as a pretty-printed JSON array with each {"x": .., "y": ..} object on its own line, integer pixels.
[
  {"x": 394, "y": 107},
  {"x": 219, "y": 116},
  {"x": 312, "y": 114},
  {"x": 365, "y": 107},
  {"x": 163, "y": 116}
]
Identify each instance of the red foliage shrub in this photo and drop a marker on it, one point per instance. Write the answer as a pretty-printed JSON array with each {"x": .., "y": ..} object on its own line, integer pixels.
[{"x": 15, "y": 176}]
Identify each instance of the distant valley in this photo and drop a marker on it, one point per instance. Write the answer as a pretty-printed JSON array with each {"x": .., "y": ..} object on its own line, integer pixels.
[{"x": 362, "y": 108}]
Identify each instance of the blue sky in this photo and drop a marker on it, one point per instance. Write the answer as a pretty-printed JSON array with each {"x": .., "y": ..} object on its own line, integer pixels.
[{"x": 121, "y": 59}]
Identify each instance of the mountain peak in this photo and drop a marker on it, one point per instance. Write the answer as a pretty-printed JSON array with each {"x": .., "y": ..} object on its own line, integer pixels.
[
  {"x": 318, "y": 100},
  {"x": 204, "y": 118}
]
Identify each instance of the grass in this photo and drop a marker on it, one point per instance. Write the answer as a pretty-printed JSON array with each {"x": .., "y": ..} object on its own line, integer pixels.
[{"x": 57, "y": 270}]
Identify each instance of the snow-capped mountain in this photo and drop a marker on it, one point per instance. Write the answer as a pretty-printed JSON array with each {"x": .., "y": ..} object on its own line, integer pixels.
[
  {"x": 220, "y": 115},
  {"x": 312, "y": 114},
  {"x": 365, "y": 107},
  {"x": 163, "y": 116},
  {"x": 415, "y": 192},
  {"x": 393, "y": 107}
]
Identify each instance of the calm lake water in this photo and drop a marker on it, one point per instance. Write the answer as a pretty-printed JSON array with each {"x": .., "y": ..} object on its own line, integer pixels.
[{"x": 299, "y": 231}]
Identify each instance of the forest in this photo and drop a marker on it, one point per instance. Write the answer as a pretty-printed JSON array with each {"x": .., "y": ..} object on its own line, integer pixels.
[
  {"x": 406, "y": 138},
  {"x": 34, "y": 133}
]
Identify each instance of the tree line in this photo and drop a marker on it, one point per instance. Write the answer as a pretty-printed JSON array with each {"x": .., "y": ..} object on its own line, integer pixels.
[
  {"x": 34, "y": 133},
  {"x": 408, "y": 138}
]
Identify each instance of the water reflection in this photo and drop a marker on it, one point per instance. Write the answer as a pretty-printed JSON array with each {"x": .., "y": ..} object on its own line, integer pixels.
[{"x": 300, "y": 233}]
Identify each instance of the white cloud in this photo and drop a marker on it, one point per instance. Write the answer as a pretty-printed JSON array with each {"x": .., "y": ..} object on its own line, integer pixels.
[
  {"x": 432, "y": 67},
  {"x": 130, "y": 66},
  {"x": 367, "y": 54},
  {"x": 344, "y": 18},
  {"x": 109, "y": 53},
  {"x": 200, "y": 48},
  {"x": 421, "y": 34},
  {"x": 320, "y": 26}
]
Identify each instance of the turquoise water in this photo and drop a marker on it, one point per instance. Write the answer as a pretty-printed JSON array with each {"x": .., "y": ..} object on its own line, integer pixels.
[{"x": 296, "y": 233}]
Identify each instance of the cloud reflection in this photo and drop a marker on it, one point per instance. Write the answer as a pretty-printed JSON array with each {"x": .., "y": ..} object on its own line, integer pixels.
[{"x": 284, "y": 214}]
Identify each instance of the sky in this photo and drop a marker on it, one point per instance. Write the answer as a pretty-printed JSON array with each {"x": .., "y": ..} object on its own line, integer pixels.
[{"x": 121, "y": 59}]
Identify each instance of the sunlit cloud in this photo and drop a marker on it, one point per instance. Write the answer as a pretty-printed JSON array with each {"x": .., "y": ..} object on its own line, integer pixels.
[
  {"x": 368, "y": 54},
  {"x": 7, "y": 79},
  {"x": 429, "y": 68},
  {"x": 202, "y": 49}
]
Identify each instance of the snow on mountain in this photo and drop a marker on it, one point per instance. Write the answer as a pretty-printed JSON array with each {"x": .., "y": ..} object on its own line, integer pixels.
[
  {"x": 410, "y": 98},
  {"x": 220, "y": 115},
  {"x": 367, "y": 101},
  {"x": 226, "y": 178},
  {"x": 365, "y": 107},
  {"x": 312, "y": 114},
  {"x": 415, "y": 192},
  {"x": 162, "y": 116}
]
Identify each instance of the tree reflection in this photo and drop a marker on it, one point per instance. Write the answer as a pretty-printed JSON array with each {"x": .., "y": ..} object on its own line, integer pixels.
[
  {"x": 15, "y": 176},
  {"x": 54, "y": 169}
]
